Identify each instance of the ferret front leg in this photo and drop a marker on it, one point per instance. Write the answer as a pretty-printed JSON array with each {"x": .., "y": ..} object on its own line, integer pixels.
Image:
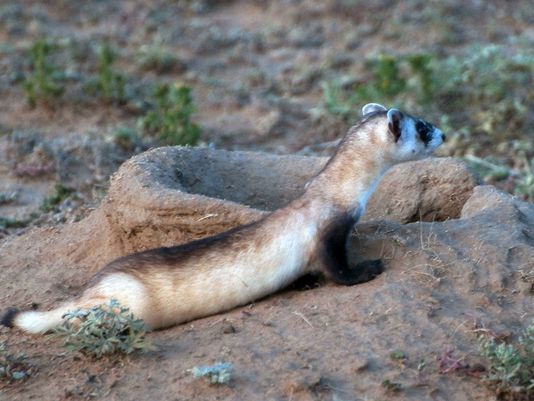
[{"x": 333, "y": 255}]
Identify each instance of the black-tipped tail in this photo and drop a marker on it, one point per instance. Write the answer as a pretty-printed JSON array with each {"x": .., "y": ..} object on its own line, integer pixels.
[{"x": 8, "y": 319}]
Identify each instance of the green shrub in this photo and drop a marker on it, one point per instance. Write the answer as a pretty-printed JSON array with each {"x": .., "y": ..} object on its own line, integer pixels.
[
  {"x": 104, "y": 329},
  {"x": 387, "y": 81},
  {"x": 487, "y": 91},
  {"x": 110, "y": 83},
  {"x": 170, "y": 118},
  {"x": 126, "y": 137},
  {"x": 421, "y": 70},
  {"x": 482, "y": 99},
  {"x": 511, "y": 367},
  {"x": 490, "y": 90},
  {"x": 392, "y": 80},
  {"x": 43, "y": 82},
  {"x": 397, "y": 355},
  {"x": 391, "y": 386},
  {"x": 60, "y": 193},
  {"x": 339, "y": 103},
  {"x": 8, "y": 197},
  {"x": 6, "y": 222}
]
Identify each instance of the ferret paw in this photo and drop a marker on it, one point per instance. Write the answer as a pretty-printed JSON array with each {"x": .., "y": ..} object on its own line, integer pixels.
[
  {"x": 368, "y": 270},
  {"x": 361, "y": 273}
]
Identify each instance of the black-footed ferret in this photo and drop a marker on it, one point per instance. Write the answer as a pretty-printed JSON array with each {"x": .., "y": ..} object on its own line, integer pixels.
[{"x": 166, "y": 286}]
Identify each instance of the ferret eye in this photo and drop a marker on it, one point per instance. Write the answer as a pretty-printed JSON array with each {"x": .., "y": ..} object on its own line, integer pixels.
[{"x": 424, "y": 130}]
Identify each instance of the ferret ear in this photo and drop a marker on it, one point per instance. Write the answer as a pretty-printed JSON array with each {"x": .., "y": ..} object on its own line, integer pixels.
[
  {"x": 371, "y": 108},
  {"x": 394, "y": 123}
]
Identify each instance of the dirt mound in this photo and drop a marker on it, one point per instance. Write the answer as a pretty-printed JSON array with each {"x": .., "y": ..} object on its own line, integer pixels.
[
  {"x": 173, "y": 195},
  {"x": 469, "y": 268},
  {"x": 426, "y": 190}
]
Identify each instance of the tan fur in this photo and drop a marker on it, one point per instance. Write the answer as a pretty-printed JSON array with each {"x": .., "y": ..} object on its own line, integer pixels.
[{"x": 165, "y": 288}]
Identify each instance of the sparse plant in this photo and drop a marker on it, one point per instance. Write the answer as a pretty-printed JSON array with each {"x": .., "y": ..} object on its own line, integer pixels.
[
  {"x": 59, "y": 194},
  {"x": 387, "y": 80},
  {"x": 391, "y": 386},
  {"x": 43, "y": 82},
  {"x": 104, "y": 329},
  {"x": 126, "y": 137},
  {"x": 393, "y": 79},
  {"x": 8, "y": 197},
  {"x": 338, "y": 102},
  {"x": 219, "y": 373},
  {"x": 170, "y": 119},
  {"x": 487, "y": 168},
  {"x": 495, "y": 82},
  {"x": 110, "y": 83},
  {"x": 13, "y": 366},
  {"x": 422, "y": 71},
  {"x": 397, "y": 355},
  {"x": 525, "y": 183},
  {"x": 6, "y": 222},
  {"x": 511, "y": 367}
]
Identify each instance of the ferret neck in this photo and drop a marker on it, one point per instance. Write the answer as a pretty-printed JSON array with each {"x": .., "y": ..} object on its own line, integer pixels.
[{"x": 349, "y": 178}]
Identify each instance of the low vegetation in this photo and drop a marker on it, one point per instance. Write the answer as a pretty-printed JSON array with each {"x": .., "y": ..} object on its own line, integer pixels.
[
  {"x": 126, "y": 137},
  {"x": 511, "y": 366},
  {"x": 59, "y": 194},
  {"x": 110, "y": 83},
  {"x": 8, "y": 197},
  {"x": 170, "y": 108},
  {"x": 389, "y": 81},
  {"x": 482, "y": 100},
  {"x": 6, "y": 222},
  {"x": 391, "y": 387},
  {"x": 104, "y": 329},
  {"x": 43, "y": 82},
  {"x": 170, "y": 118}
]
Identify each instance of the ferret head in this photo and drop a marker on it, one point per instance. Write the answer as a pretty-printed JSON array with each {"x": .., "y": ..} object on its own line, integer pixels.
[{"x": 405, "y": 137}]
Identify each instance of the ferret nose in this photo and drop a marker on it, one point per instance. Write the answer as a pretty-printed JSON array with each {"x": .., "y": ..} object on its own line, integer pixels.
[{"x": 443, "y": 137}]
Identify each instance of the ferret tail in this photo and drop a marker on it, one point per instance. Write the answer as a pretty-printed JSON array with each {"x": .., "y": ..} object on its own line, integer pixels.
[
  {"x": 36, "y": 322},
  {"x": 121, "y": 286}
]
